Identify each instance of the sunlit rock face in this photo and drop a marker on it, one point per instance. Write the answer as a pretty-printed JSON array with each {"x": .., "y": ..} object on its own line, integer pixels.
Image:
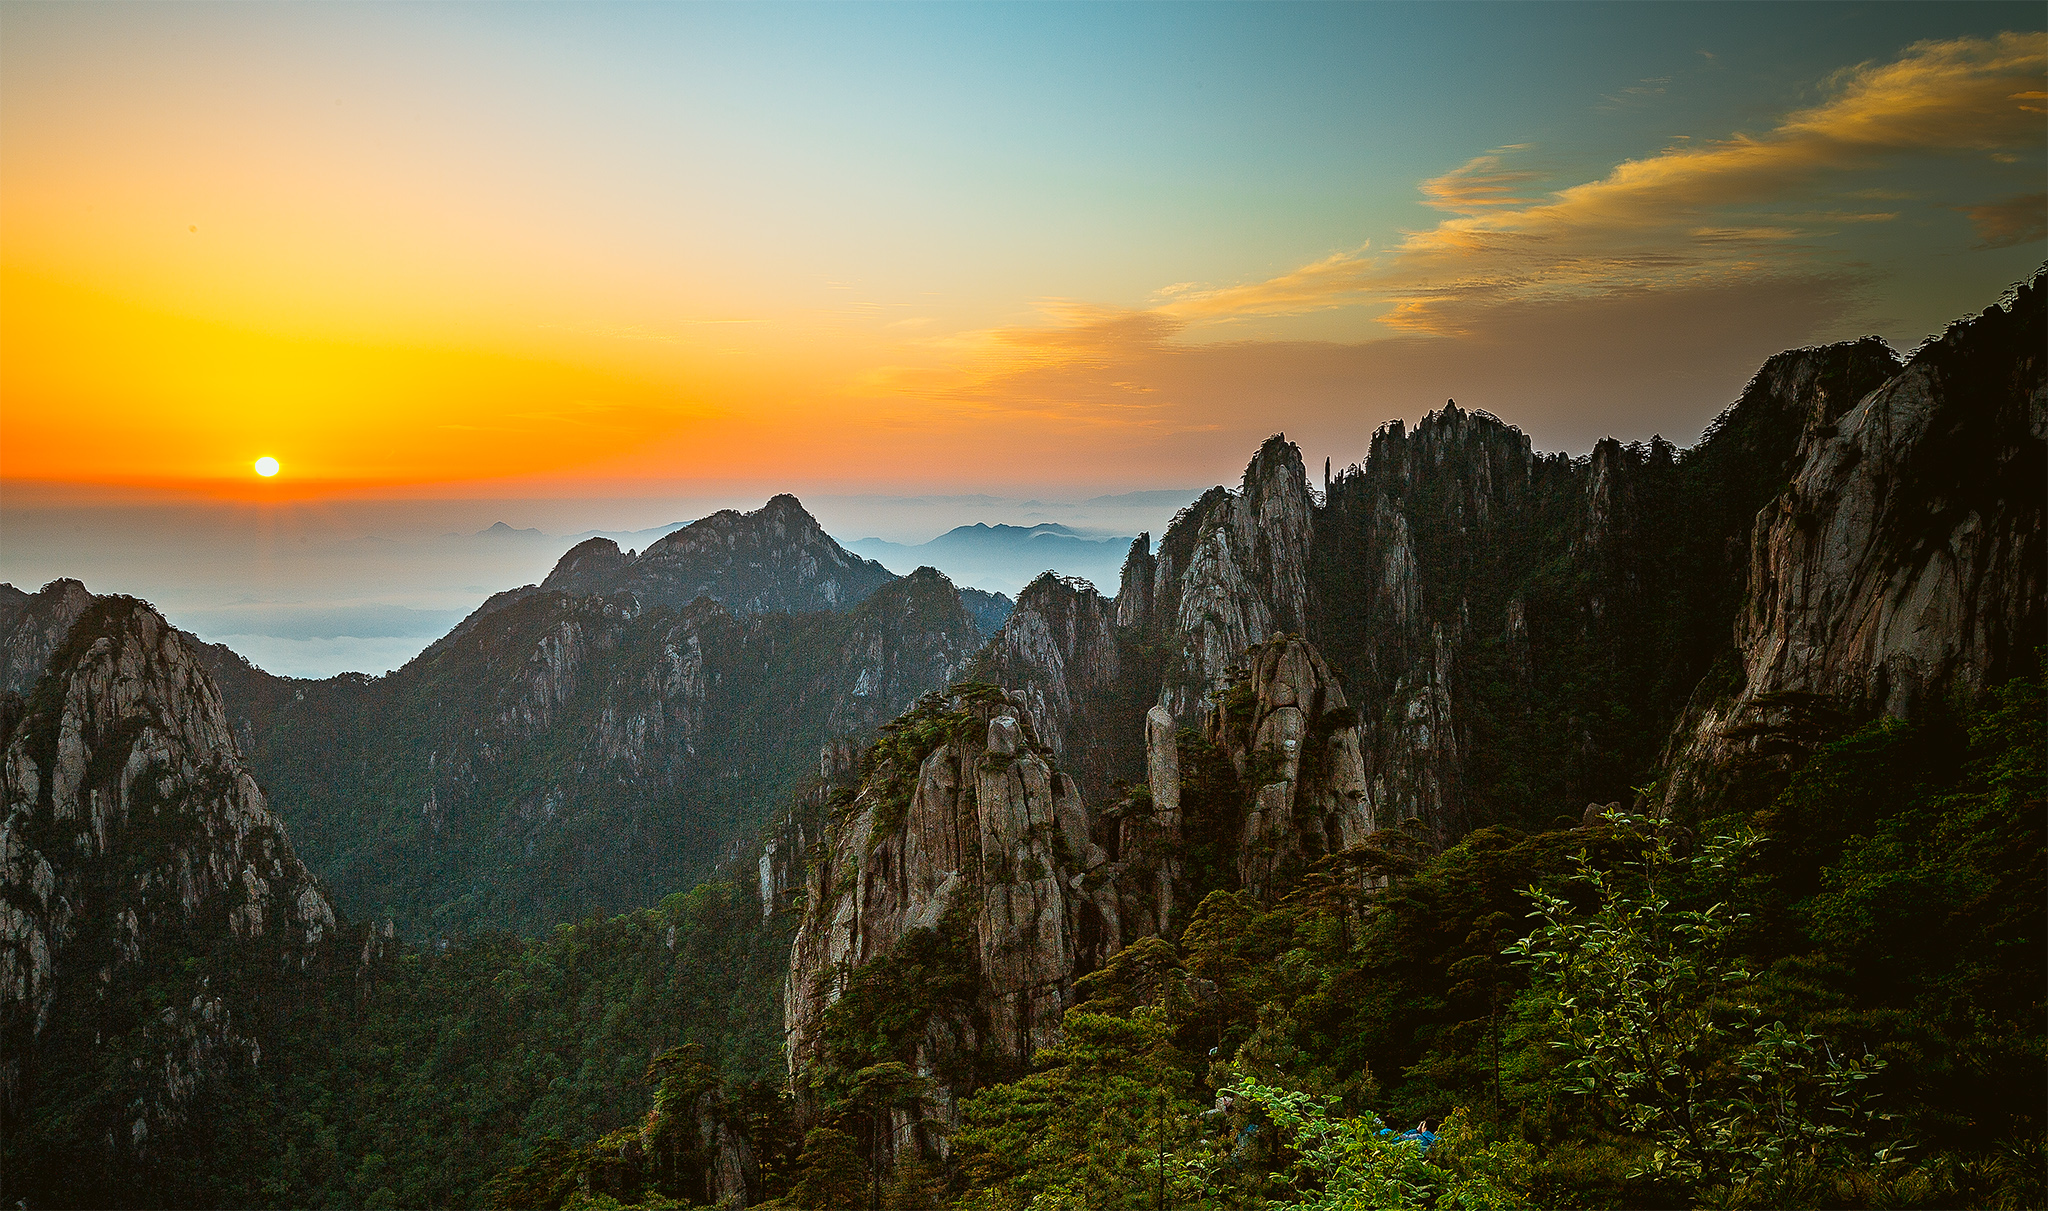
[
  {"x": 1293, "y": 740},
  {"x": 1904, "y": 564},
  {"x": 1230, "y": 569},
  {"x": 965, "y": 825},
  {"x": 137, "y": 849}
]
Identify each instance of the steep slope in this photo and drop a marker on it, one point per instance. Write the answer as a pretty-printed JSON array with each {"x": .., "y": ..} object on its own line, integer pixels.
[
  {"x": 1231, "y": 569},
  {"x": 33, "y": 627},
  {"x": 967, "y": 842},
  {"x": 1061, "y": 652},
  {"x": 1902, "y": 569},
  {"x": 151, "y": 911},
  {"x": 1517, "y": 630},
  {"x": 958, "y": 891},
  {"x": 561, "y": 755},
  {"x": 775, "y": 559}
]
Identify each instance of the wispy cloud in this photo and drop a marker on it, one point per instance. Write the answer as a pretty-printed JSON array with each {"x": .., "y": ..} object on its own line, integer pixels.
[
  {"x": 1642, "y": 294},
  {"x": 1695, "y": 213}
]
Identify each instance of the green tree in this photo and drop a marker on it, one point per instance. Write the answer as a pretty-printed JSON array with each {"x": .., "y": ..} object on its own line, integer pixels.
[{"x": 1644, "y": 1002}]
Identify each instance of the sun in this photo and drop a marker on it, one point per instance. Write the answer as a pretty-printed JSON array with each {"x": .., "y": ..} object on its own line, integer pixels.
[{"x": 266, "y": 466}]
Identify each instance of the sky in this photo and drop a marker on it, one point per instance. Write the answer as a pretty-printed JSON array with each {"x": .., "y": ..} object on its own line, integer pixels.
[{"x": 588, "y": 267}]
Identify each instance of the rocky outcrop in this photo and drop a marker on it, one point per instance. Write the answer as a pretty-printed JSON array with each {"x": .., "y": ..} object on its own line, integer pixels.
[
  {"x": 775, "y": 559},
  {"x": 1904, "y": 564},
  {"x": 967, "y": 838},
  {"x": 33, "y": 626},
  {"x": 1232, "y": 569},
  {"x": 1293, "y": 740},
  {"x": 965, "y": 826},
  {"x": 137, "y": 850},
  {"x": 1059, "y": 651}
]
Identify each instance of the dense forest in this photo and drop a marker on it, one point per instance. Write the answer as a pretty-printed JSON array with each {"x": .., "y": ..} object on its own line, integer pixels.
[{"x": 1834, "y": 1001}]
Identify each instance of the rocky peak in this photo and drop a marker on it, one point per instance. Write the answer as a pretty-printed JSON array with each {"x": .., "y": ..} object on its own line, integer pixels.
[
  {"x": 32, "y": 626},
  {"x": 1294, "y": 742},
  {"x": 138, "y": 849},
  {"x": 774, "y": 559},
  {"x": 1903, "y": 565},
  {"x": 964, "y": 830},
  {"x": 1134, "y": 594},
  {"x": 1058, "y": 650},
  {"x": 911, "y": 635},
  {"x": 1231, "y": 568},
  {"x": 590, "y": 563}
]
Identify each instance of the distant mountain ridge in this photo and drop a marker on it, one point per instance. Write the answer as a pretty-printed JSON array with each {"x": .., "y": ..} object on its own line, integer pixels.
[{"x": 1005, "y": 554}]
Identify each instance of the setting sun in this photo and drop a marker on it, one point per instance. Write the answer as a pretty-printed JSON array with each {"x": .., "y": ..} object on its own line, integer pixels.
[{"x": 266, "y": 466}]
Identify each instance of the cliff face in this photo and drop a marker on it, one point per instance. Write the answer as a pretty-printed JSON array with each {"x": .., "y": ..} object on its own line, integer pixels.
[
  {"x": 144, "y": 880},
  {"x": 1903, "y": 564},
  {"x": 1462, "y": 632},
  {"x": 1061, "y": 652},
  {"x": 957, "y": 893},
  {"x": 563, "y": 755},
  {"x": 965, "y": 832},
  {"x": 1293, "y": 742},
  {"x": 1231, "y": 568},
  {"x": 33, "y": 627}
]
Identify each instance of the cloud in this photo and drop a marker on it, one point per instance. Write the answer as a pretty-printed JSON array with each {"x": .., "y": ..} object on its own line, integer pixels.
[
  {"x": 1478, "y": 185},
  {"x": 2016, "y": 220},
  {"x": 1639, "y": 301},
  {"x": 1698, "y": 212}
]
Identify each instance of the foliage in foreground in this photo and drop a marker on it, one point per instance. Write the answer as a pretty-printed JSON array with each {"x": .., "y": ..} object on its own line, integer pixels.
[{"x": 1837, "y": 1002}]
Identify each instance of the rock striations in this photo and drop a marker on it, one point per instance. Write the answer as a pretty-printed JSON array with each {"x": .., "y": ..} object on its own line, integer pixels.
[
  {"x": 137, "y": 852},
  {"x": 1903, "y": 565},
  {"x": 965, "y": 826},
  {"x": 33, "y": 627}
]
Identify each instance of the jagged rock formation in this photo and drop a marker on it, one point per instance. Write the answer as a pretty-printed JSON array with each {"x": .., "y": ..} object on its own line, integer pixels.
[
  {"x": 33, "y": 626},
  {"x": 1904, "y": 562},
  {"x": 967, "y": 828},
  {"x": 1231, "y": 568},
  {"x": 1061, "y": 651},
  {"x": 1293, "y": 741},
  {"x": 964, "y": 826},
  {"x": 137, "y": 852},
  {"x": 1518, "y": 631},
  {"x": 562, "y": 755}
]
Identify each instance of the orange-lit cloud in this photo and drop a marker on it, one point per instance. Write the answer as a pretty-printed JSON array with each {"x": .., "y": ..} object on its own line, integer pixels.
[{"x": 1692, "y": 214}]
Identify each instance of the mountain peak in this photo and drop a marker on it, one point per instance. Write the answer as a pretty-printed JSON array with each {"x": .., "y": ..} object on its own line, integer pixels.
[{"x": 774, "y": 559}]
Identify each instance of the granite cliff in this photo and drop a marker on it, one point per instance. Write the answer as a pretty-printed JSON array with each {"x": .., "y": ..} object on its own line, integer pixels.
[
  {"x": 151, "y": 906},
  {"x": 1459, "y": 632},
  {"x": 1901, "y": 570}
]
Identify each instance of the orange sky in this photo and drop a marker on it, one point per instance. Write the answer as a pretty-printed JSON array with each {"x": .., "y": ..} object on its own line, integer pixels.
[{"x": 515, "y": 249}]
